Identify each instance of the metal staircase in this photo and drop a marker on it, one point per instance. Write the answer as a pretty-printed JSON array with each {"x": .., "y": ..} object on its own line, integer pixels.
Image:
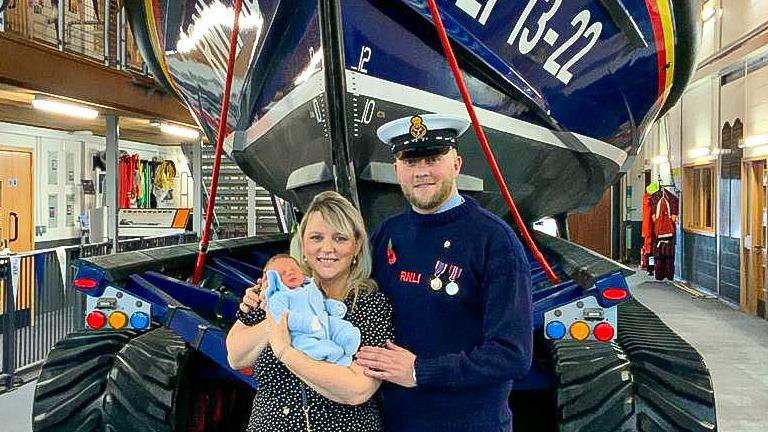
[{"x": 234, "y": 200}]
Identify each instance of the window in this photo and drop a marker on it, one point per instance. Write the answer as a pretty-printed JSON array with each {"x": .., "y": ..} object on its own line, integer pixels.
[{"x": 699, "y": 198}]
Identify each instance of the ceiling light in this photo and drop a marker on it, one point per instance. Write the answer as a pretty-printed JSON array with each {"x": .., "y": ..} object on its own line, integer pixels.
[
  {"x": 755, "y": 140},
  {"x": 179, "y": 131},
  {"x": 759, "y": 150},
  {"x": 707, "y": 10},
  {"x": 64, "y": 108},
  {"x": 699, "y": 152}
]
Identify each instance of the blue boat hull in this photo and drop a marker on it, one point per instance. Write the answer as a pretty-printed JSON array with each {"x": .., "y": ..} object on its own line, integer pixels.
[
  {"x": 544, "y": 179},
  {"x": 564, "y": 90}
]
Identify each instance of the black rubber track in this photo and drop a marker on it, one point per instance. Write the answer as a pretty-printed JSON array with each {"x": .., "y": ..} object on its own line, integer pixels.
[
  {"x": 70, "y": 390},
  {"x": 594, "y": 388},
  {"x": 673, "y": 388},
  {"x": 146, "y": 390}
]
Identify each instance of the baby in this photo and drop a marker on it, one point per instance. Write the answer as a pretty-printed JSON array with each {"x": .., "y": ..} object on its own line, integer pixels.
[{"x": 315, "y": 323}]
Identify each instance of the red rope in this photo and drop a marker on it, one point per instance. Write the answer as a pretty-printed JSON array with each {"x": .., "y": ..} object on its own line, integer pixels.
[
  {"x": 221, "y": 131},
  {"x": 484, "y": 144}
]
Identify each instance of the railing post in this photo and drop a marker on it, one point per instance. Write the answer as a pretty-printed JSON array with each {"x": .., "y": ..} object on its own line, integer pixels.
[
  {"x": 106, "y": 32},
  {"x": 197, "y": 186},
  {"x": 112, "y": 138},
  {"x": 7, "y": 375},
  {"x": 78, "y": 309},
  {"x": 252, "y": 218},
  {"x": 121, "y": 39},
  {"x": 3, "y": 7},
  {"x": 60, "y": 25}
]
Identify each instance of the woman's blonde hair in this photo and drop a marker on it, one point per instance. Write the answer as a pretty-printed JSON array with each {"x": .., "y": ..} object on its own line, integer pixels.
[{"x": 342, "y": 216}]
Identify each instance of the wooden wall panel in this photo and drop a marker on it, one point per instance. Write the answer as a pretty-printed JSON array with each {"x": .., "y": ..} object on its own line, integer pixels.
[{"x": 593, "y": 229}]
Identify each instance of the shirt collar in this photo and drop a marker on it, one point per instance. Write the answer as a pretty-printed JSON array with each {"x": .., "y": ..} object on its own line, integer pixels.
[{"x": 454, "y": 201}]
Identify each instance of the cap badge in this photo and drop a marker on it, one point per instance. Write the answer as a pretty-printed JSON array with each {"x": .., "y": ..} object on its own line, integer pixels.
[{"x": 417, "y": 129}]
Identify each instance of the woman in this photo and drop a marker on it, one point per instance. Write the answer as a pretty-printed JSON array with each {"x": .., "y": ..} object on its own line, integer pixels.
[{"x": 297, "y": 393}]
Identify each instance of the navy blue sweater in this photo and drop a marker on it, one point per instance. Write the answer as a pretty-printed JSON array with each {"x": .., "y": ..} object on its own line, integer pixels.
[{"x": 469, "y": 346}]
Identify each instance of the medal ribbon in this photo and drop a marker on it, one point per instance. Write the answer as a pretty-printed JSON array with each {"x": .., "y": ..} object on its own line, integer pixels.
[
  {"x": 440, "y": 268},
  {"x": 454, "y": 272}
]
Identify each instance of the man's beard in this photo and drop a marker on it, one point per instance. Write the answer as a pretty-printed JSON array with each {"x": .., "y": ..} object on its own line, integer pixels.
[{"x": 432, "y": 202}]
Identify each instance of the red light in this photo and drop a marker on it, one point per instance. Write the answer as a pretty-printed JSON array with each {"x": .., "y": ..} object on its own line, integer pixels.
[
  {"x": 96, "y": 319},
  {"x": 614, "y": 294},
  {"x": 84, "y": 283},
  {"x": 247, "y": 372},
  {"x": 603, "y": 332}
]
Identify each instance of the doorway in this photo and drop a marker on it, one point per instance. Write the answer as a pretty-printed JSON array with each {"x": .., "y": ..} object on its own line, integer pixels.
[
  {"x": 16, "y": 200},
  {"x": 754, "y": 236}
]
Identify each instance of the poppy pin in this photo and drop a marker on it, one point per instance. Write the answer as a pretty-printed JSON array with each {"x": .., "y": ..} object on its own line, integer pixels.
[{"x": 391, "y": 257}]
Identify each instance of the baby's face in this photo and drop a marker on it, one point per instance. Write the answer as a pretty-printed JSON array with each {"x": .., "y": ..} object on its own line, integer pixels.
[{"x": 289, "y": 271}]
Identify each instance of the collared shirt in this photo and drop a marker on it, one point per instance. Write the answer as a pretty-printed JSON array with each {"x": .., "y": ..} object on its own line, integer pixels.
[{"x": 454, "y": 201}]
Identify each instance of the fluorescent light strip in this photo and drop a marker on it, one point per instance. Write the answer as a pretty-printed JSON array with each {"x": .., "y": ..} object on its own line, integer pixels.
[
  {"x": 179, "y": 131},
  {"x": 64, "y": 108},
  {"x": 756, "y": 140},
  {"x": 699, "y": 152},
  {"x": 759, "y": 150}
]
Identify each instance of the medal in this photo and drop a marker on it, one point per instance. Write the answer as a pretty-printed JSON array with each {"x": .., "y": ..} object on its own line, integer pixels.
[
  {"x": 435, "y": 283},
  {"x": 453, "y": 288}
]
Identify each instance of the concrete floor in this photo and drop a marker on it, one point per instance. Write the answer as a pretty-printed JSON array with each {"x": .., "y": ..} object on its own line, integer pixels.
[
  {"x": 16, "y": 409},
  {"x": 734, "y": 346}
]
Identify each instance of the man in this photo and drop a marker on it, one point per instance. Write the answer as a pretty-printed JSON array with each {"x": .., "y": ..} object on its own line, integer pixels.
[{"x": 460, "y": 286}]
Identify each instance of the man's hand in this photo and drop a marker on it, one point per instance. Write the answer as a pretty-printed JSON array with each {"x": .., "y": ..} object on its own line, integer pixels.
[{"x": 392, "y": 363}]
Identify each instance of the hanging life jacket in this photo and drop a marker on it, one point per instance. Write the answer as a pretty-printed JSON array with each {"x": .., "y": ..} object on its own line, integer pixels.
[{"x": 664, "y": 225}]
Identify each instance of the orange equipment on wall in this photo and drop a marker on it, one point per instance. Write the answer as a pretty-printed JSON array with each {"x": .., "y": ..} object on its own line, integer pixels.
[
  {"x": 647, "y": 233},
  {"x": 126, "y": 184},
  {"x": 666, "y": 206}
]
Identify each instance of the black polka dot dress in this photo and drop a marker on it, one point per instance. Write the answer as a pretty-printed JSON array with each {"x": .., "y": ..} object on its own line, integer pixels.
[{"x": 278, "y": 405}]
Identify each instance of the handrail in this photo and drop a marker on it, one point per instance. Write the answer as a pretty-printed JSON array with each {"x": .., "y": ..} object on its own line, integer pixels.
[
  {"x": 59, "y": 28},
  {"x": 141, "y": 240}
]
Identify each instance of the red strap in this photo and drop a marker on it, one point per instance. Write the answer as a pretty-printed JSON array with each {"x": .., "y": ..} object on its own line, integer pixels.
[
  {"x": 221, "y": 131},
  {"x": 485, "y": 146}
]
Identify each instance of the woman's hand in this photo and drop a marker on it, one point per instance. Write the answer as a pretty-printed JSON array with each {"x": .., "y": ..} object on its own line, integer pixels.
[
  {"x": 279, "y": 337},
  {"x": 254, "y": 297}
]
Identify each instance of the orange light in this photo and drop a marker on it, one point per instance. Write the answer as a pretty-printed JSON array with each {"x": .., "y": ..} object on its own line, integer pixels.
[
  {"x": 579, "y": 330},
  {"x": 117, "y": 320}
]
